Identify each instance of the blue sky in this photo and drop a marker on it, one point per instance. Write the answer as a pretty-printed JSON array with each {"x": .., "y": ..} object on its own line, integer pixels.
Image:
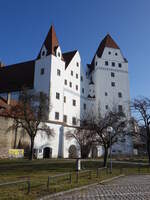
[{"x": 79, "y": 24}]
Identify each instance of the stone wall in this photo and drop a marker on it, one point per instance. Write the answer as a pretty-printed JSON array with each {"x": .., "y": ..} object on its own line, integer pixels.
[{"x": 7, "y": 137}]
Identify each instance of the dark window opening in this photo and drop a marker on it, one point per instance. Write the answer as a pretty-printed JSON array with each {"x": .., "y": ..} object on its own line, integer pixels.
[
  {"x": 56, "y": 115},
  {"x": 42, "y": 71},
  {"x": 57, "y": 95}
]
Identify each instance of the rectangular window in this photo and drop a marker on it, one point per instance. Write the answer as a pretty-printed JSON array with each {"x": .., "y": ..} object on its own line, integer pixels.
[
  {"x": 70, "y": 84},
  {"x": 113, "y": 64},
  {"x": 65, "y": 81},
  {"x": 113, "y": 84},
  {"x": 71, "y": 73},
  {"x": 81, "y": 78},
  {"x": 106, "y": 63},
  {"x": 57, "y": 115},
  {"x": 112, "y": 74},
  {"x": 106, "y": 107},
  {"x": 119, "y": 65},
  {"x": 42, "y": 71},
  {"x": 65, "y": 118},
  {"x": 74, "y": 102},
  {"x": 106, "y": 94},
  {"x": 57, "y": 95},
  {"x": 58, "y": 72},
  {"x": 77, "y": 64},
  {"x": 76, "y": 76},
  {"x": 119, "y": 94},
  {"x": 84, "y": 106},
  {"x": 120, "y": 109},
  {"x": 77, "y": 87},
  {"x": 64, "y": 99},
  {"x": 74, "y": 121},
  {"x": 83, "y": 90}
]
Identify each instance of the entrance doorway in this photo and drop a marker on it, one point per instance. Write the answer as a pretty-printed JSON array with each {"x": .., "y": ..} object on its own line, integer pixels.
[
  {"x": 47, "y": 152},
  {"x": 72, "y": 151}
]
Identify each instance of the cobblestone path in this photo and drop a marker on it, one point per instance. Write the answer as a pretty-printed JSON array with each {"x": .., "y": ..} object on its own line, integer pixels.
[{"x": 135, "y": 187}]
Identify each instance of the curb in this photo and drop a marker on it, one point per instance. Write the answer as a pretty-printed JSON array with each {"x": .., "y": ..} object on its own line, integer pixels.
[{"x": 80, "y": 188}]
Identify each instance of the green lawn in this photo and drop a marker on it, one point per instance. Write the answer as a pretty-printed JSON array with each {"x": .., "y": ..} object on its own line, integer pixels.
[{"x": 39, "y": 170}]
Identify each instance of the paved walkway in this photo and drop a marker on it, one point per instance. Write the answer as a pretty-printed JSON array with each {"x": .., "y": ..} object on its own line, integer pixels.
[{"x": 136, "y": 187}]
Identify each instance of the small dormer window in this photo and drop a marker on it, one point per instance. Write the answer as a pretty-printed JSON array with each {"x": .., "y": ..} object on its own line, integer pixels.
[
  {"x": 116, "y": 54},
  {"x": 43, "y": 51},
  {"x": 109, "y": 52}
]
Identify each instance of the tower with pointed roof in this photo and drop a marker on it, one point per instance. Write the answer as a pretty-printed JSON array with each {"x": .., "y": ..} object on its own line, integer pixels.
[{"x": 109, "y": 72}]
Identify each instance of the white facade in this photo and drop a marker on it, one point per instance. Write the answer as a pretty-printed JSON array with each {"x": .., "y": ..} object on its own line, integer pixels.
[{"x": 73, "y": 90}]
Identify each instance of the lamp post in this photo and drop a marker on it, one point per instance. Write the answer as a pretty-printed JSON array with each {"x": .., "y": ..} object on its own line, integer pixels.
[{"x": 110, "y": 129}]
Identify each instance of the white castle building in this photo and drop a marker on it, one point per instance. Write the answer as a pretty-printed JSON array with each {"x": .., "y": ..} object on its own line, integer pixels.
[{"x": 72, "y": 89}]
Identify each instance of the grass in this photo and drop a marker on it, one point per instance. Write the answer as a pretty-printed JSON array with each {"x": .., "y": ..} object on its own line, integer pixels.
[{"x": 39, "y": 170}]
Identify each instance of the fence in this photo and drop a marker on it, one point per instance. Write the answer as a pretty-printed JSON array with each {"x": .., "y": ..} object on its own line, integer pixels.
[
  {"x": 75, "y": 177},
  {"x": 18, "y": 182},
  {"x": 83, "y": 173},
  {"x": 54, "y": 178},
  {"x": 101, "y": 169}
]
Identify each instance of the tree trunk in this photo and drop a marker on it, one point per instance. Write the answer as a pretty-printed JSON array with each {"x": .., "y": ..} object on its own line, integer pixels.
[
  {"x": 105, "y": 156},
  {"x": 31, "y": 148},
  {"x": 148, "y": 150},
  {"x": 148, "y": 143},
  {"x": 15, "y": 140},
  {"x": 85, "y": 150}
]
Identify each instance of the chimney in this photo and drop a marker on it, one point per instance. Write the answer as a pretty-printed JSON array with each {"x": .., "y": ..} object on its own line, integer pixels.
[{"x": 8, "y": 98}]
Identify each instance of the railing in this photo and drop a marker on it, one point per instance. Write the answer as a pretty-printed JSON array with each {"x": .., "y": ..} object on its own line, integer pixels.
[
  {"x": 101, "y": 169},
  {"x": 83, "y": 173},
  {"x": 74, "y": 177},
  {"x": 18, "y": 182},
  {"x": 54, "y": 178}
]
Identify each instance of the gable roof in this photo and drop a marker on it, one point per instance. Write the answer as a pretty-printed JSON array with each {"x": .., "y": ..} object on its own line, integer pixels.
[
  {"x": 51, "y": 42},
  {"x": 106, "y": 42},
  {"x": 15, "y": 77},
  {"x": 68, "y": 56}
]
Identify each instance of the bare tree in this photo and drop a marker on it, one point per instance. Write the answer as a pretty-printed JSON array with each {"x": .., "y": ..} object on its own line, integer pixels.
[
  {"x": 84, "y": 138},
  {"x": 115, "y": 120},
  {"x": 30, "y": 113},
  {"x": 141, "y": 111},
  {"x": 93, "y": 130}
]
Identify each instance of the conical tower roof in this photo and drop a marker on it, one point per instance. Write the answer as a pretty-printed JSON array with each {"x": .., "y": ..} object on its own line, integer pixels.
[
  {"x": 51, "y": 42},
  {"x": 106, "y": 42}
]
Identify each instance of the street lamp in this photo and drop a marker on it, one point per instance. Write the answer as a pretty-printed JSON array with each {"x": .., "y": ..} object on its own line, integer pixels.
[{"x": 109, "y": 130}]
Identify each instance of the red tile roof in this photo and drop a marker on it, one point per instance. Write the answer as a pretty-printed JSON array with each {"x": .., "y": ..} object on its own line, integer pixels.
[
  {"x": 15, "y": 77},
  {"x": 51, "y": 42},
  {"x": 68, "y": 56},
  {"x": 106, "y": 42}
]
